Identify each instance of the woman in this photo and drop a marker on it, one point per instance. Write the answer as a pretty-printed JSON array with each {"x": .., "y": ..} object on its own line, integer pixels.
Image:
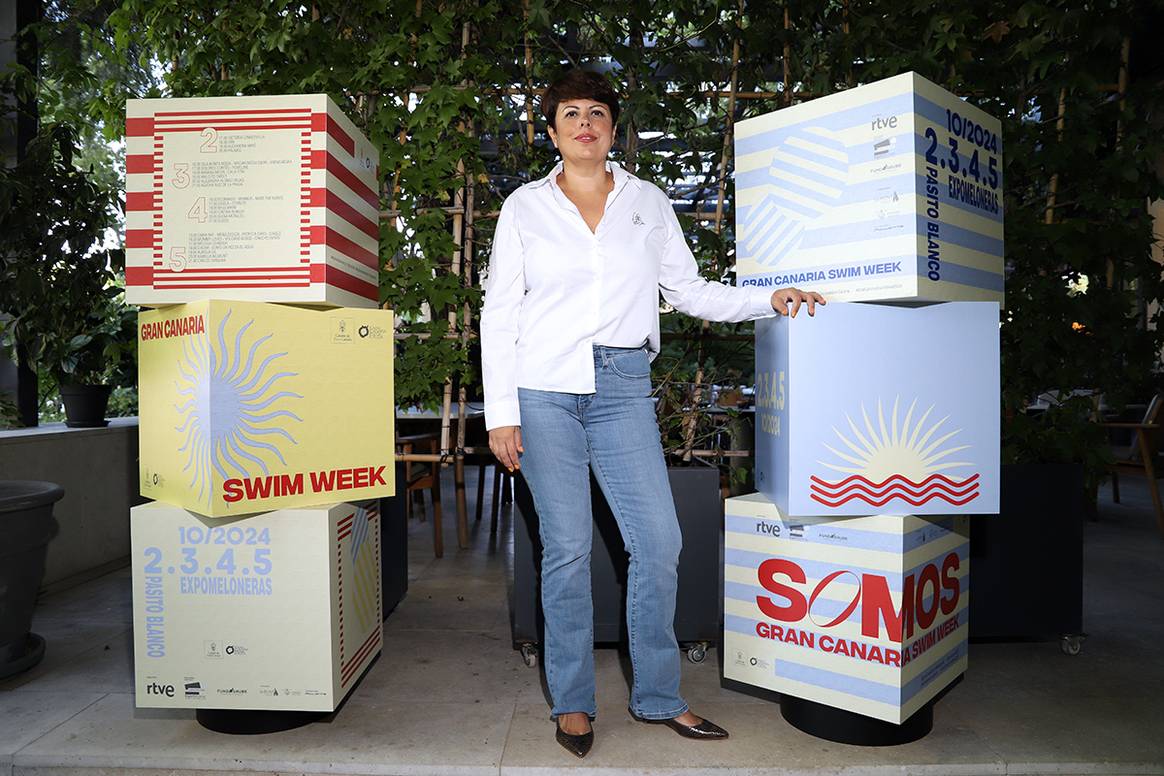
[{"x": 569, "y": 326}]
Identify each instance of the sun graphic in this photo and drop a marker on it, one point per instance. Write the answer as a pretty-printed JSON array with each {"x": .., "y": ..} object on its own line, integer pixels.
[
  {"x": 233, "y": 407},
  {"x": 913, "y": 450},
  {"x": 908, "y": 461}
]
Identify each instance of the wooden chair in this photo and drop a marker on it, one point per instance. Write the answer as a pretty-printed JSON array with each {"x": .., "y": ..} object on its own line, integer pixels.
[
  {"x": 420, "y": 476},
  {"x": 1140, "y": 456}
]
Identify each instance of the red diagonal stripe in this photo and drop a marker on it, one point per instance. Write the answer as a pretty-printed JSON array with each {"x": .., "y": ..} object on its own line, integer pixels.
[
  {"x": 322, "y": 121},
  {"x": 339, "y": 279},
  {"x": 331, "y": 201},
  {"x": 355, "y": 661},
  {"x": 321, "y": 159},
  {"x": 355, "y": 658},
  {"x": 327, "y": 236}
]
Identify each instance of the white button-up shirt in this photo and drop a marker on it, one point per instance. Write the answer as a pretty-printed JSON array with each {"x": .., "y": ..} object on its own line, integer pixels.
[{"x": 554, "y": 289}]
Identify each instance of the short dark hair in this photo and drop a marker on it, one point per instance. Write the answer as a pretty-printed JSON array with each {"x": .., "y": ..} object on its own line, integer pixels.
[{"x": 579, "y": 85}]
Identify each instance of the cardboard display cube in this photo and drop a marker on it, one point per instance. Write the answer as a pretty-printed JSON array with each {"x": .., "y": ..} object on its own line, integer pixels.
[
  {"x": 866, "y": 614},
  {"x": 277, "y": 611},
  {"x": 246, "y": 407},
  {"x": 271, "y": 199},
  {"x": 887, "y": 191},
  {"x": 879, "y": 409}
]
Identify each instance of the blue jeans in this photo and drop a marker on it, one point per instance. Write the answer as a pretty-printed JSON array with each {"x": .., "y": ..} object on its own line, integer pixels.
[{"x": 614, "y": 432}]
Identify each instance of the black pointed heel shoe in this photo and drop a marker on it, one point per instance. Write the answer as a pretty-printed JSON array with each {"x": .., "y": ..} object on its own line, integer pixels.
[
  {"x": 577, "y": 745},
  {"x": 704, "y": 731}
]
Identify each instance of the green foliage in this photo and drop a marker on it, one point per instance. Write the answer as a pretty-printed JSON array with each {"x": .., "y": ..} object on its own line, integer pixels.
[
  {"x": 9, "y": 414},
  {"x": 56, "y": 280},
  {"x": 440, "y": 88}
]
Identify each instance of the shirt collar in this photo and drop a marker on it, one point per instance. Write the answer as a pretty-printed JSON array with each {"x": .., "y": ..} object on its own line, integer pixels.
[{"x": 620, "y": 175}]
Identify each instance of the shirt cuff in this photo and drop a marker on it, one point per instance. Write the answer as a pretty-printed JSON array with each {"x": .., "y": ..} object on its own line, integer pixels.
[
  {"x": 761, "y": 303},
  {"x": 502, "y": 413}
]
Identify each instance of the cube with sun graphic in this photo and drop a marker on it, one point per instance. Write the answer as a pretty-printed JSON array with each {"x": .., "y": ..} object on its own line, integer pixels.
[
  {"x": 877, "y": 409},
  {"x": 866, "y": 614},
  {"x": 280, "y": 610},
  {"x": 246, "y": 407}
]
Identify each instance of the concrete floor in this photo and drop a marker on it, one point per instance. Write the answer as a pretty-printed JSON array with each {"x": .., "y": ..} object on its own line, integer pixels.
[{"x": 450, "y": 696}]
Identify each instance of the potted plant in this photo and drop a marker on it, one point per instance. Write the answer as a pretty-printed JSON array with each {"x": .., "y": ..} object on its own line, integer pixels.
[
  {"x": 56, "y": 273},
  {"x": 26, "y": 527},
  {"x": 88, "y": 360}
]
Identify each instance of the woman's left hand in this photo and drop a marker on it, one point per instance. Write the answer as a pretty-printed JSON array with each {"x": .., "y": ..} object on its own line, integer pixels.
[{"x": 794, "y": 296}]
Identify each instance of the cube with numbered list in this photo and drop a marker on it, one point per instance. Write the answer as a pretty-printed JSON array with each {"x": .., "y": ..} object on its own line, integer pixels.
[{"x": 267, "y": 198}]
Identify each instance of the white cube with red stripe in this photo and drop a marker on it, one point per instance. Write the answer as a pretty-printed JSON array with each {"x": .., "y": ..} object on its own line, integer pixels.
[
  {"x": 280, "y": 610},
  {"x": 266, "y": 198}
]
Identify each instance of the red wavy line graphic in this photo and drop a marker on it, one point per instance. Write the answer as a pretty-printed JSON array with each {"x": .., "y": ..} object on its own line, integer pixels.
[
  {"x": 914, "y": 502},
  {"x": 915, "y": 492},
  {"x": 902, "y": 477}
]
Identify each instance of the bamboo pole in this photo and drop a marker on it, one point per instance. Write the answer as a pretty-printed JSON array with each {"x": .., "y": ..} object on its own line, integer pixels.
[
  {"x": 455, "y": 268},
  {"x": 529, "y": 90},
  {"x": 631, "y": 150},
  {"x": 463, "y": 201},
  {"x": 466, "y": 281},
  {"x": 787, "y": 57},
  {"x": 1122, "y": 86},
  {"x": 691, "y": 420},
  {"x": 847, "y": 31},
  {"x": 1125, "y": 58},
  {"x": 1053, "y": 189}
]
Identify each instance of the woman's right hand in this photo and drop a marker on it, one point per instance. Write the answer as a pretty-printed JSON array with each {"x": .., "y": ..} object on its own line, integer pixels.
[{"x": 505, "y": 442}]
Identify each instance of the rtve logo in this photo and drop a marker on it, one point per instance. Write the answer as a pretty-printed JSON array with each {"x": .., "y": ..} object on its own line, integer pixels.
[
  {"x": 872, "y": 595},
  {"x": 880, "y": 122},
  {"x": 153, "y": 688}
]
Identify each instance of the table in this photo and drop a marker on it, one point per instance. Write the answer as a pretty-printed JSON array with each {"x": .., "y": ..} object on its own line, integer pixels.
[{"x": 474, "y": 411}]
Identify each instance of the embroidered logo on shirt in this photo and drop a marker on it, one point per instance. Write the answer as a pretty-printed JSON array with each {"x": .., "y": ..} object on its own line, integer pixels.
[{"x": 637, "y": 220}]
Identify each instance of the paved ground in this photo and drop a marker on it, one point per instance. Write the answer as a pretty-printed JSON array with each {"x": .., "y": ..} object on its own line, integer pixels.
[{"x": 450, "y": 696}]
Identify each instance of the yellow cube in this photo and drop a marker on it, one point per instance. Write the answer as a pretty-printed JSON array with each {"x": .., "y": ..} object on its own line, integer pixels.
[{"x": 248, "y": 407}]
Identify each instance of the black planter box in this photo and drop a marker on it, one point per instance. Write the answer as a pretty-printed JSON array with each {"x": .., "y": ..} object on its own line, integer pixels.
[
  {"x": 700, "y": 510},
  {"x": 1026, "y": 564},
  {"x": 394, "y": 545}
]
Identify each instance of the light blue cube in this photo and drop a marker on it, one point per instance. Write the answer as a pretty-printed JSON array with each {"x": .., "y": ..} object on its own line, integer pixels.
[{"x": 879, "y": 409}]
